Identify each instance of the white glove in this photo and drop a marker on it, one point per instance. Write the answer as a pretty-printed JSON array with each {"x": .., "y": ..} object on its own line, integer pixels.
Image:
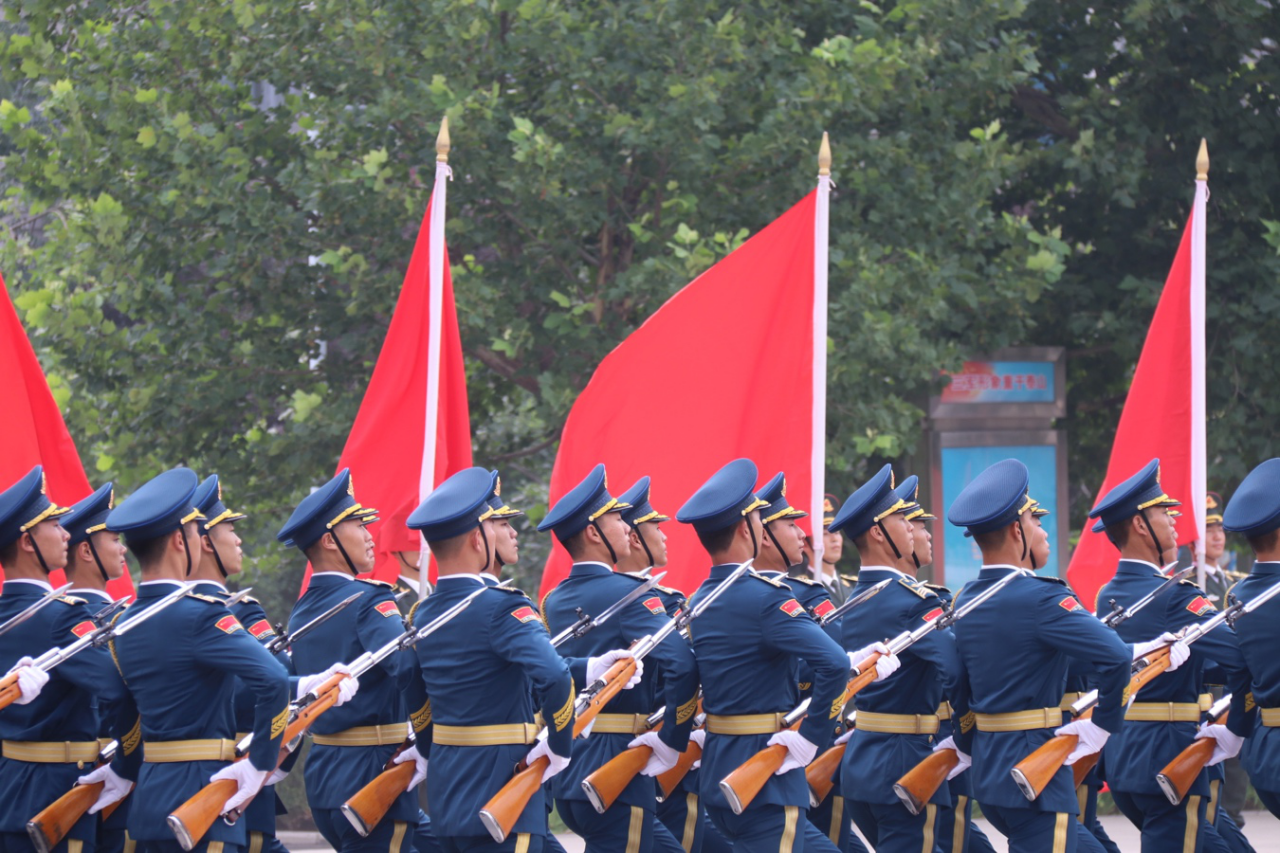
[
  {"x": 1092, "y": 738},
  {"x": 966, "y": 761},
  {"x": 844, "y": 738},
  {"x": 1178, "y": 651},
  {"x": 31, "y": 680},
  {"x": 1226, "y": 742},
  {"x": 886, "y": 665},
  {"x": 799, "y": 750},
  {"x": 248, "y": 778},
  {"x": 346, "y": 688},
  {"x": 114, "y": 787},
  {"x": 558, "y": 762},
  {"x": 420, "y": 771},
  {"x": 277, "y": 776},
  {"x": 663, "y": 758},
  {"x": 598, "y": 666},
  {"x": 698, "y": 736}
]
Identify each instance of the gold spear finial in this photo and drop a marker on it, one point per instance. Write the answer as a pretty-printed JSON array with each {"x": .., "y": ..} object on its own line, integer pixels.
[
  {"x": 1202, "y": 162},
  {"x": 824, "y": 156},
  {"x": 442, "y": 142}
]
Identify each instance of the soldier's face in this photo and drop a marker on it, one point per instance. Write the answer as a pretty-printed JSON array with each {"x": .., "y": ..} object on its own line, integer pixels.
[
  {"x": 902, "y": 531},
  {"x": 832, "y": 546},
  {"x": 1037, "y": 538},
  {"x": 791, "y": 537},
  {"x": 52, "y": 541},
  {"x": 923, "y": 541},
  {"x": 111, "y": 552},
  {"x": 357, "y": 541},
  {"x": 223, "y": 537},
  {"x": 617, "y": 532},
  {"x": 505, "y": 542},
  {"x": 1215, "y": 542},
  {"x": 656, "y": 540}
]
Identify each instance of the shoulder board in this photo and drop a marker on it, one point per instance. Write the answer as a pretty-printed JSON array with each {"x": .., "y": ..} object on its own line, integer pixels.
[
  {"x": 850, "y": 579},
  {"x": 209, "y": 598},
  {"x": 669, "y": 591},
  {"x": 770, "y": 581},
  {"x": 804, "y": 580},
  {"x": 918, "y": 589},
  {"x": 1188, "y": 582},
  {"x": 631, "y": 576},
  {"x": 936, "y": 587},
  {"x": 249, "y": 599},
  {"x": 512, "y": 590},
  {"x": 71, "y": 599},
  {"x": 1237, "y": 575},
  {"x": 377, "y": 583},
  {"x": 1050, "y": 579}
]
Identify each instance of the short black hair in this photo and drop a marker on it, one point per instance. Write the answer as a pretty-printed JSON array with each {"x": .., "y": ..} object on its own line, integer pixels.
[
  {"x": 576, "y": 543},
  {"x": 991, "y": 539},
  {"x": 716, "y": 541},
  {"x": 1265, "y": 541},
  {"x": 446, "y": 549},
  {"x": 1119, "y": 533},
  {"x": 147, "y": 550},
  {"x": 9, "y": 553}
]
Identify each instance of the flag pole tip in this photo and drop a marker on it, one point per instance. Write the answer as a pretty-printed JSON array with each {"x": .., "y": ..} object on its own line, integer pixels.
[
  {"x": 1202, "y": 161},
  {"x": 824, "y": 156},
  {"x": 442, "y": 142}
]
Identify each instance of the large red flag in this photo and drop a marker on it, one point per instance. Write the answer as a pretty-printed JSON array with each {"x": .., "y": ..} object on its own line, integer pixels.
[
  {"x": 32, "y": 431},
  {"x": 385, "y": 450},
  {"x": 725, "y": 368},
  {"x": 1159, "y": 418}
]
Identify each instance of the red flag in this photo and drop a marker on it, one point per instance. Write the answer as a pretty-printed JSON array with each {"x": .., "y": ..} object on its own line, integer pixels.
[
  {"x": 1157, "y": 421},
  {"x": 385, "y": 448},
  {"x": 723, "y": 369},
  {"x": 32, "y": 431}
]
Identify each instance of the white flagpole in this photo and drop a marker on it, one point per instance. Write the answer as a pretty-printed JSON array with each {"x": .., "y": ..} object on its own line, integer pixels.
[
  {"x": 1199, "y": 453},
  {"x": 818, "y": 461},
  {"x": 435, "y": 302}
]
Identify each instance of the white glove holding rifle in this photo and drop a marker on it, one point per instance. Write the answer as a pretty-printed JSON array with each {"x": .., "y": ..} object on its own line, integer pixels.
[
  {"x": 966, "y": 761},
  {"x": 1178, "y": 649}
]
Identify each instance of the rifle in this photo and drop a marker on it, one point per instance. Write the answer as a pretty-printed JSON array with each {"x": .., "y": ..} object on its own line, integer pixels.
[
  {"x": 871, "y": 591},
  {"x": 191, "y": 820},
  {"x": 741, "y": 786},
  {"x": 693, "y": 753},
  {"x": 607, "y": 782},
  {"x": 96, "y": 638},
  {"x": 51, "y": 825},
  {"x": 1035, "y": 771},
  {"x": 1119, "y": 615},
  {"x": 284, "y": 639},
  {"x": 1179, "y": 774},
  {"x": 821, "y": 771},
  {"x": 499, "y": 815},
  {"x": 236, "y": 597},
  {"x": 106, "y": 614},
  {"x": 33, "y": 608},
  {"x": 368, "y": 806}
]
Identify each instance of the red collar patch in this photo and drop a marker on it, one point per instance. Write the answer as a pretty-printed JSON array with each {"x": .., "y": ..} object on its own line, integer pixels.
[
  {"x": 791, "y": 607},
  {"x": 229, "y": 623}
]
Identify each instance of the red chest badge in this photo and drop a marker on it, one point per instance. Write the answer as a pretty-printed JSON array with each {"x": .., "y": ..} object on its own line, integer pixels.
[
  {"x": 1200, "y": 605},
  {"x": 229, "y": 624},
  {"x": 933, "y": 614},
  {"x": 260, "y": 629},
  {"x": 83, "y": 628},
  {"x": 655, "y": 605},
  {"x": 1070, "y": 603},
  {"x": 387, "y": 608},
  {"x": 525, "y": 614},
  {"x": 791, "y": 607},
  {"x": 824, "y": 608}
]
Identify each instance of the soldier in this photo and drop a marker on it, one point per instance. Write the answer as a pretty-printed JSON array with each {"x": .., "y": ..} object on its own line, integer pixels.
[
  {"x": 746, "y": 646},
  {"x": 95, "y": 557},
  {"x": 181, "y": 666},
  {"x": 1014, "y": 651},
  {"x": 898, "y": 718},
  {"x": 51, "y": 732},
  {"x": 1163, "y": 721},
  {"x": 506, "y": 545},
  {"x": 589, "y": 524},
  {"x": 474, "y": 702},
  {"x": 351, "y": 744}
]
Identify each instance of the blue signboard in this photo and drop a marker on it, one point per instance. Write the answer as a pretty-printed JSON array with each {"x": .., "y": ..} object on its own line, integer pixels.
[
  {"x": 1002, "y": 382},
  {"x": 959, "y": 466}
]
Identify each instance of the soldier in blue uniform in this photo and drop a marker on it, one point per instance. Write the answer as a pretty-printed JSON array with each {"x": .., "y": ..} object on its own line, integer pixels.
[
  {"x": 746, "y": 644},
  {"x": 588, "y": 522},
  {"x": 474, "y": 710},
  {"x": 1015, "y": 697},
  {"x": 506, "y": 545},
  {"x": 181, "y": 667},
  {"x": 1254, "y": 512},
  {"x": 1163, "y": 720},
  {"x": 897, "y": 719},
  {"x": 351, "y": 744},
  {"x": 96, "y": 556},
  {"x": 51, "y": 732}
]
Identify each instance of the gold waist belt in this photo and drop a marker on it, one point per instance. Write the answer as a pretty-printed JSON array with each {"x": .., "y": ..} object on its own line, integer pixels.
[
  {"x": 898, "y": 724},
  {"x": 944, "y": 711},
  {"x": 170, "y": 751},
  {"x": 1163, "y": 712},
  {"x": 745, "y": 724},
  {"x": 621, "y": 724},
  {"x": 53, "y": 752},
  {"x": 1020, "y": 721},
  {"x": 366, "y": 736},
  {"x": 497, "y": 735},
  {"x": 1270, "y": 717}
]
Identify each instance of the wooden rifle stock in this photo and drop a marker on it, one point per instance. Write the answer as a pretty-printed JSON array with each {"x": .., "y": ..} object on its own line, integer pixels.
[
  {"x": 1081, "y": 768},
  {"x": 1033, "y": 773},
  {"x": 191, "y": 820},
  {"x": 504, "y": 808},
  {"x": 9, "y": 691},
  {"x": 366, "y": 809},
  {"x": 921, "y": 782},
  {"x": 607, "y": 782},
  {"x": 55, "y": 820},
  {"x": 821, "y": 772},
  {"x": 668, "y": 781},
  {"x": 1180, "y": 774}
]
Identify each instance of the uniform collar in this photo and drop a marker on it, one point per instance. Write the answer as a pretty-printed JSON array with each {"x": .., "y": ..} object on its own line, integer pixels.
[
  {"x": 1138, "y": 567},
  {"x": 158, "y": 589},
  {"x": 589, "y": 568},
  {"x": 1265, "y": 569},
  {"x": 87, "y": 592},
  {"x": 722, "y": 571},
  {"x": 43, "y": 586},
  {"x": 209, "y": 586},
  {"x": 1002, "y": 569},
  {"x": 476, "y": 578},
  {"x": 888, "y": 570},
  {"x": 346, "y": 576}
]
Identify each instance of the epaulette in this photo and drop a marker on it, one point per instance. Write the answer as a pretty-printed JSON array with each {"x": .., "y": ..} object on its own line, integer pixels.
[
  {"x": 249, "y": 599},
  {"x": 511, "y": 589},
  {"x": 936, "y": 587},
  {"x": 849, "y": 579},
  {"x": 1049, "y": 579},
  {"x": 917, "y": 588},
  {"x": 770, "y": 581},
  {"x": 377, "y": 583},
  {"x": 1231, "y": 573},
  {"x": 209, "y": 598},
  {"x": 71, "y": 599},
  {"x": 804, "y": 580},
  {"x": 632, "y": 576},
  {"x": 1189, "y": 582},
  {"x": 669, "y": 591}
]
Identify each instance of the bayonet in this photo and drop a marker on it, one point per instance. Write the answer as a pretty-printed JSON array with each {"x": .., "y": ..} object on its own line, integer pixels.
[
  {"x": 865, "y": 595},
  {"x": 585, "y": 622},
  {"x": 286, "y": 639},
  {"x": 1119, "y": 614},
  {"x": 34, "y": 608},
  {"x": 238, "y": 597}
]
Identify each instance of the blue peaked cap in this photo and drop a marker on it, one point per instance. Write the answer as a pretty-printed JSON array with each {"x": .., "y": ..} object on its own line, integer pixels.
[
  {"x": 1255, "y": 507},
  {"x": 456, "y": 507},
  {"x": 995, "y": 498},
  {"x": 208, "y": 499},
  {"x": 322, "y": 510},
  {"x": 874, "y": 501},
  {"x": 724, "y": 499},
  {"x": 500, "y": 508},
  {"x": 775, "y": 494},
  {"x": 639, "y": 510},
  {"x": 162, "y": 505},
  {"x": 1135, "y": 494},
  {"x": 24, "y": 505},
  {"x": 89, "y": 515},
  {"x": 581, "y": 505},
  {"x": 908, "y": 492}
]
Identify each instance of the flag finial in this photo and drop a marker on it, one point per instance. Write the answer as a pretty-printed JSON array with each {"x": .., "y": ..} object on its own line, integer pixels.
[
  {"x": 824, "y": 156},
  {"x": 1202, "y": 162},
  {"x": 442, "y": 142}
]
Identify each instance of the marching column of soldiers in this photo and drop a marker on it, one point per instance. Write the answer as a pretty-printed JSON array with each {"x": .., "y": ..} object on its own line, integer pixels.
[{"x": 757, "y": 714}]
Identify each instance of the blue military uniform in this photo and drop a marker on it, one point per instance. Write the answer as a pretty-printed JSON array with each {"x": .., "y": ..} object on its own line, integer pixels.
[
  {"x": 352, "y": 743},
  {"x": 181, "y": 667},
  {"x": 1015, "y": 698},
  {"x": 897, "y": 718},
  {"x": 746, "y": 644},
  {"x": 479, "y": 674},
  {"x": 1165, "y": 716},
  {"x": 593, "y": 587}
]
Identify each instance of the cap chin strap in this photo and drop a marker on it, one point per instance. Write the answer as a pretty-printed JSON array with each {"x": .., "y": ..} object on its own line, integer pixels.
[
  {"x": 484, "y": 537},
  {"x": 338, "y": 542},
  {"x": 186, "y": 549},
  {"x": 892, "y": 544},
  {"x": 643, "y": 543},
  {"x": 612, "y": 555},
  {"x": 39, "y": 556},
  {"x": 217, "y": 558},
  {"x": 1155, "y": 541},
  {"x": 102, "y": 570},
  {"x": 1027, "y": 553},
  {"x": 786, "y": 558}
]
